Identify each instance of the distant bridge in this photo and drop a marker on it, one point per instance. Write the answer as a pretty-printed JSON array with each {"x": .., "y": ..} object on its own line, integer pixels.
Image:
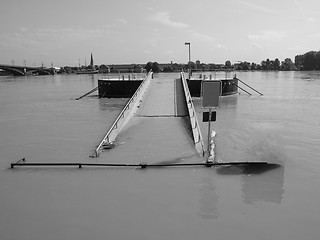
[{"x": 24, "y": 70}]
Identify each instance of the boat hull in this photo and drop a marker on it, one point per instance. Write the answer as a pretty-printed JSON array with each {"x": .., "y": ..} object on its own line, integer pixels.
[
  {"x": 117, "y": 89},
  {"x": 88, "y": 72}
]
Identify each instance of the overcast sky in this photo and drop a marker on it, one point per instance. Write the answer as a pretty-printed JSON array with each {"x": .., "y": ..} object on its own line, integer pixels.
[{"x": 66, "y": 32}]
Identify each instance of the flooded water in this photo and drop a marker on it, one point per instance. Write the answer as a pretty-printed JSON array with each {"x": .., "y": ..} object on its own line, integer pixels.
[{"x": 41, "y": 121}]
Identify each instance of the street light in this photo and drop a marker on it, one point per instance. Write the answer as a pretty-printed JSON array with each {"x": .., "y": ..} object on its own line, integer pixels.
[{"x": 189, "y": 70}]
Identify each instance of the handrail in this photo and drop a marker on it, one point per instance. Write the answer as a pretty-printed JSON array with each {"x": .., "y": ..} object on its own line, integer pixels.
[
  {"x": 125, "y": 76},
  {"x": 197, "y": 136},
  {"x": 107, "y": 138}
]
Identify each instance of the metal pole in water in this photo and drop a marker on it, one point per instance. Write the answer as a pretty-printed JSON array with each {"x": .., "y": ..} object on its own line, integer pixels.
[{"x": 249, "y": 87}]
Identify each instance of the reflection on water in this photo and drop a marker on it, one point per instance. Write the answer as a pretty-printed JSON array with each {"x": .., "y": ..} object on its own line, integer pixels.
[
  {"x": 309, "y": 76},
  {"x": 260, "y": 183},
  {"x": 57, "y": 79},
  {"x": 229, "y": 101},
  {"x": 267, "y": 187},
  {"x": 225, "y": 102},
  {"x": 112, "y": 104},
  {"x": 92, "y": 77},
  {"x": 208, "y": 199},
  {"x": 246, "y": 169}
]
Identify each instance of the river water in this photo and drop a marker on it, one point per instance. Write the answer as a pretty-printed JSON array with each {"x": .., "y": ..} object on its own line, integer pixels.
[{"x": 41, "y": 121}]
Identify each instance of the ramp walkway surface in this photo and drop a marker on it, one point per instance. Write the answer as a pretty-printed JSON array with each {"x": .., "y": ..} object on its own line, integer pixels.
[{"x": 160, "y": 129}]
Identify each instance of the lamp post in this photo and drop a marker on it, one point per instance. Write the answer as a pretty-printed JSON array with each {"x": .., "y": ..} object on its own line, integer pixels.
[{"x": 189, "y": 65}]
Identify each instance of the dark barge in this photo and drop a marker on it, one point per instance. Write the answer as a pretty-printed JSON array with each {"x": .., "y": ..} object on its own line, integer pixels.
[
  {"x": 229, "y": 86},
  {"x": 117, "y": 89},
  {"x": 121, "y": 86},
  {"x": 126, "y": 87}
]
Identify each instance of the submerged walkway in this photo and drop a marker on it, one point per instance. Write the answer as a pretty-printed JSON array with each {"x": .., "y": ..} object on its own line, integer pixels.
[{"x": 160, "y": 129}]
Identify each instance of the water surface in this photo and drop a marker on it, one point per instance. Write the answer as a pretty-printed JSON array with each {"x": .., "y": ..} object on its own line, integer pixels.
[{"x": 41, "y": 121}]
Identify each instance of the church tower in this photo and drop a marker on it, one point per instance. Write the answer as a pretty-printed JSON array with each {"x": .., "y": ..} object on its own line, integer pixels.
[{"x": 91, "y": 61}]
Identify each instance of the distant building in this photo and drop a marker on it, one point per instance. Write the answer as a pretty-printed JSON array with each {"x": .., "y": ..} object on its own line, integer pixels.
[
  {"x": 129, "y": 68},
  {"x": 104, "y": 68}
]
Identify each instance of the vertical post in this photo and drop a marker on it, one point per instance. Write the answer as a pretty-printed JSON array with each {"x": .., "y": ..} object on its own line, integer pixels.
[
  {"x": 189, "y": 64},
  {"x": 209, "y": 129},
  {"x": 210, "y": 99}
]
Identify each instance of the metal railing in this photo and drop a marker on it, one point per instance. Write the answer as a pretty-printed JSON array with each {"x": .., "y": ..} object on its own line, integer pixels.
[
  {"x": 196, "y": 132},
  {"x": 125, "y": 76},
  {"x": 112, "y": 133}
]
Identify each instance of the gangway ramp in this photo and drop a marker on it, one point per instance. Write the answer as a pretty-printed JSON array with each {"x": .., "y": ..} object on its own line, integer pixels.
[
  {"x": 160, "y": 130},
  {"x": 125, "y": 115}
]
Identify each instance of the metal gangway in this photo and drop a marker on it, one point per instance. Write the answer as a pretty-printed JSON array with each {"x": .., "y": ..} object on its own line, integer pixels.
[
  {"x": 128, "y": 110},
  {"x": 166, "y": 102}
]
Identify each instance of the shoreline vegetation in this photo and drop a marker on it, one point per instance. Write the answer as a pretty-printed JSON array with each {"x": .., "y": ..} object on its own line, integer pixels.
[{"x": 306, "y": 62}]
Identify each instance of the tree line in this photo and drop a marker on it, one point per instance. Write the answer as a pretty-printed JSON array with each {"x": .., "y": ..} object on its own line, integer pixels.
[
  {"x": 304, "y": 62},
  {"x": 308, "y": 61},
  {"x": 267, "y": 64}
]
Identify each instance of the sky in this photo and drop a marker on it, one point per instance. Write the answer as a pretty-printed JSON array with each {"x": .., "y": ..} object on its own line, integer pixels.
[{"x": 66, "y": 32}]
